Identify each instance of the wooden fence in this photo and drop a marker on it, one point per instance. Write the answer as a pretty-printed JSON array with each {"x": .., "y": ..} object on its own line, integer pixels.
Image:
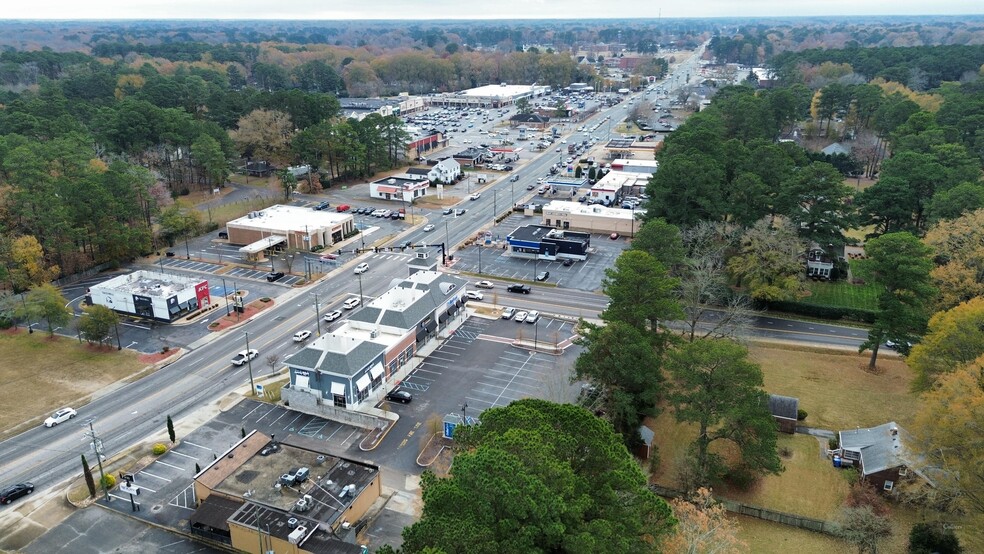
[{"x": 784, "y": 518}]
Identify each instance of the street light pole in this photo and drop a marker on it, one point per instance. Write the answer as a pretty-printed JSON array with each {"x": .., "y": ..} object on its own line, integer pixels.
[
  {"x": 249, "y": 364},
  {"x": 480, "y": 258},
  {"x": 225, "y": 292},
  {"x": 360, "y": 289},
  {"x": 317, "y": 314},
  {"x": 119, "y": 345}
]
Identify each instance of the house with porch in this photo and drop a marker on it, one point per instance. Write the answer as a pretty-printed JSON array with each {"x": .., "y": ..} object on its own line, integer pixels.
[{"x": 880, "y": 453}]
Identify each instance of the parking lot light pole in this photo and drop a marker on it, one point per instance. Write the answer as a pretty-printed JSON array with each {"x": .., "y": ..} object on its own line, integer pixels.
[
  {"x": 480, "y": 256},
  {"x": 119, "y": 345},
  {"x": 249, "y": 364}
]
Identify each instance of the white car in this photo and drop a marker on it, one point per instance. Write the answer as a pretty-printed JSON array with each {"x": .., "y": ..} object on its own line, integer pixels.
[
  {"x": 508, "y": 313},
  {"x": 428, "y": 228},
  {"x": 245, "y": 356},
  {"x": 485, "y": 285},
  {"x": 351, "y": 303},
  {"x": 520, "y": 317},
  {"x": 532, "y": 317},
  {"x": 475, "y": 196},
  {"x": 361, "y": 268},
  {"x": 474, "y": 295},
  {"x": 60, "y": 416},
  {"x": 302, "y": 336},
  {"x": 332, "y": 316}
]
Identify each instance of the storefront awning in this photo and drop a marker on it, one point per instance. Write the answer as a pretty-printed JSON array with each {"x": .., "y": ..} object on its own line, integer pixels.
[
  {"x": 301, "y": 381},
  {"x": 362, "y": 383},
  {"x": 376, "y": 371},
  {"x": 262, "y": 244},
  {"x": 431, "y": 326},
  {"x": 338, "y": 389}
]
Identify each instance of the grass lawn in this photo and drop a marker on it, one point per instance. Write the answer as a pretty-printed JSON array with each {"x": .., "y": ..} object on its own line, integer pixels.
[
  {"x": 54, "y": 373},
  {"x": 835, "y": 389},
  {"x": 809, "y": 486},
  {"x": 767, "y": 537},
  {"x": 841, "y": 294}
]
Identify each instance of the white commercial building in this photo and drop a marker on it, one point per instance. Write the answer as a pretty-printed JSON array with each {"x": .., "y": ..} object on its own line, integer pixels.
[
  {"x": 404, "y": 188},
  {"x": 283, "y": 226},
  {"x": 488, "y": 96},
  {"x": 592, "y": 219},
  {"x": 616, "y": 184},
  {"x": 635, "y": 166},
  {"x": 151, "y": 295}
]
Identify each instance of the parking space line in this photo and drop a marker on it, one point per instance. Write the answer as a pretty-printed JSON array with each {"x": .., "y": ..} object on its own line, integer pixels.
[
  {"x": 292, "y": 421},
  {"x": 169, "y": 465},
  {"x": 304, "y": 430},
  {"x": 280, "y": 416},
  {"x": 257, "y": 407},
  {"x": 350, "y": 436},
  {"x": 196, "y": 445},
  {"x": 429, "y": 371},
  {"x": 504, "y": 391},
  {"x": 328, "y": 438},
  {"x": 185, "y": 455},
  {"x": 148, "y": 489},
  {"x": 266, "y": 414},
  {"x": 145, "y": 472}
]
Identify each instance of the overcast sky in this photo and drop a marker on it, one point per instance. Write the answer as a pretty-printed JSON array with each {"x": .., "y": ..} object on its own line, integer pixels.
[{"x": 457, "y": 9}]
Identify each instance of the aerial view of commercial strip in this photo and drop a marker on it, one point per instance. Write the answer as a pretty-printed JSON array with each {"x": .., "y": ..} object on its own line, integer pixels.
[{"x": 658, "y": 286}]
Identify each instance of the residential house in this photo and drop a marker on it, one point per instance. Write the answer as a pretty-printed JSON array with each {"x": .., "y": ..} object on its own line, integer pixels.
[
  {"x": 820, "y": 262},
  {"x": 881, "y": 453},
  {"x": 785, "y": 410},
  {"x": 447, "y": 170}
]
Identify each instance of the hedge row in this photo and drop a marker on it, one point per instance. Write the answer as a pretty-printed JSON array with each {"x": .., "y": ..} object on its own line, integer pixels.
[{"x": 821, "y": 312}]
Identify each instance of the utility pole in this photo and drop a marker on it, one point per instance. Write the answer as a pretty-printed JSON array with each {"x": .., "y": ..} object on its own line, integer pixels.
[
  {"x": 317, "y": 314},
  {"x": 97, "y": 447},
  {"x": 225, "y": 292},
  {"x": 249, "y": 363}
]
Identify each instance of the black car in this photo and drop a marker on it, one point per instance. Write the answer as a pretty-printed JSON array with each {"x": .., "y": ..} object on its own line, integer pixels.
[
  {"x": 14, "y": 492},
  {"x": 568, "y": 262},
  {"x": 542, "y": 276},
  {"x": 521, "y": 289},
  {"x": 322, "y": 206},
  {"x": 398, "y": 395},
  {"x": 460, "y": 211},
  {"x": 274, "y": 275}
]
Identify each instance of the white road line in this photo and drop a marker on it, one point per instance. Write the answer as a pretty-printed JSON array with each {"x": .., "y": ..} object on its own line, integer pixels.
[
  {"x": 185, "y": 455},
  {"x": 279, "y": 416},
  {"x": 169, "y": 465},
  {"x": 350, "y": 436},
  {"x": 145, "y": 472},
  {"x": 196, "y": 445},
  {"x": 147, "y": 489},
  {"x": 419, "y": 368}
]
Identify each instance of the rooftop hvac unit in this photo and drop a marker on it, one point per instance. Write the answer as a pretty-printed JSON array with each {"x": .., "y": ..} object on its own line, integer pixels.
[
  {"x": 391, "y": 182},
  {"x": 292, "y": 523},
  {"x": 304, "y": 503},
  {"x": 296, "y": 535},
  {"x": 373, "y": 334}
]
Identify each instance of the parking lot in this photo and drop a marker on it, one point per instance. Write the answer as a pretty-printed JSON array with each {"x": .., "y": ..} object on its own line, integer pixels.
[
  {"x": 495, "y": 261},
  {"x": 478, "y": 366},
  {"x": 166, "y": 493}
]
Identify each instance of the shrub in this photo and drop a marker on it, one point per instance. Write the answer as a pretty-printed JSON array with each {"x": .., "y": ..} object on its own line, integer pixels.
[
  {"x": 800, "y": 415},
  {"x": 821, "y": 312},
  {"x": 833, "y": 443},
  {"x": 108, "y": 481},
  {"x": 741, "y": 477},
  {"x": 159, "y": 449},
  {"x": 931, "y": 537}
]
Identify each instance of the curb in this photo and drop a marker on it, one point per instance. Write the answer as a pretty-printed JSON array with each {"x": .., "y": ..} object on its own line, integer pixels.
[{"x": 389, "y": 427}]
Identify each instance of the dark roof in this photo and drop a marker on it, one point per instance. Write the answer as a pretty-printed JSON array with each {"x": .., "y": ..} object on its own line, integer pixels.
[
  {"x": 784, "y": 406},
  {"x": 472, "y": 153},
  {"x": 418, "y": 170},
  {"x": 539, "y": 233},
  {"x": 353, "y": 361},
  {"x": 215, "y": 511},
  {"x": 529, "y": 118}
]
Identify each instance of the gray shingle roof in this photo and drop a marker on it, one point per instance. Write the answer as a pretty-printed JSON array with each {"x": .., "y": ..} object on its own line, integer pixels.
[
  {"x": 783, "y": 406},
  {"x": 880, "y": 447},
  {"x": 347, "y": 364}
]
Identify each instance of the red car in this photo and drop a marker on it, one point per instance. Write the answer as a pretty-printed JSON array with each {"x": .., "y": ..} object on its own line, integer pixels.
[
  {"x": 613, "y": 236},
  {"x": 343, "y": 208}
]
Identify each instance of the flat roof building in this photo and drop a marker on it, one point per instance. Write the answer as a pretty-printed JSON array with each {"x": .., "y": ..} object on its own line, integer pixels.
[
  {"x": 249, "y": 498},
  {"x": 635, "y": 166},
  {"x": 616, "y": 184},
  {"x": 284, "y": 226},
  {"x": 488, "y": 96},
  {"x": 404, "y": 188},
  {"x": 591, "y": 218},
  {"x": 152, "y": 295},
  {"x": 547, "y": 243}
]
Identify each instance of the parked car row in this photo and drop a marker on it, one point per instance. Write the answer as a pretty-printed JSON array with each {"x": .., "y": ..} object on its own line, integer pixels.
[{"x": 531, "y": 316}]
